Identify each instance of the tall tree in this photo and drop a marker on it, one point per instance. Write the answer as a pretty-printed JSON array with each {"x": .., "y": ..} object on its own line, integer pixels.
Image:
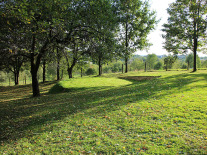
[
  {"x": 136, "y": 22},
  {"x": 190, "y": 61},
  {"x": 151, "y": 60},
  {"x": 186, "y": 28},
  {"x": 168, "y": 61}
]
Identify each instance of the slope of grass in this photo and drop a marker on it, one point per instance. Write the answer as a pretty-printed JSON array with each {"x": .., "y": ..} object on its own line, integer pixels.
[{"x": 108, "y": 115}]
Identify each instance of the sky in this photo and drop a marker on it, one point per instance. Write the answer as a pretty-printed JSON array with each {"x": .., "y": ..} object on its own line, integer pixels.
[{"x": 155, "y": 37}]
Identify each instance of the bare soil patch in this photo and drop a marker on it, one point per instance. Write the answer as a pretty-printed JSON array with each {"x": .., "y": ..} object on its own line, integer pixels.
[{"x": 139, "y": 78}]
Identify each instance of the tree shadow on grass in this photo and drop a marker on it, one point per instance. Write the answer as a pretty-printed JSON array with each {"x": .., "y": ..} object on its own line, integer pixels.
[{"x": 20, "y": 117}]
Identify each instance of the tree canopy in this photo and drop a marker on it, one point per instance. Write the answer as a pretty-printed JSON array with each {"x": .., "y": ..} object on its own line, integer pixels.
[
  {"x": 186, "y": 28},
  {"x": 36, "y": 27}
]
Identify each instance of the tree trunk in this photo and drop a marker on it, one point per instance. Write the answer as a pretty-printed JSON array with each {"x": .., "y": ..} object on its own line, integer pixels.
[
  {"x": 99, "y": 66},
  {"x": 195, "y": 43},
  {"x": 70, "y": 71},
  {"x": 35, "y": 84},
  {"x": 81, "y": 72},
  {"x": 58, "y": 65},
  {"x": 16, "y": 78},
  {"x": 44, "y": 70},
  {"x": 58, "y": 71},
  {"x": 194, "y": 53},
  {"x": 145, "y": 65},
  {"x": 126, "y": 65}
]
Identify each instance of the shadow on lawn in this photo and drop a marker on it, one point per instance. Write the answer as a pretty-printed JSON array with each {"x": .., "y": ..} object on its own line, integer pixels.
[{"x": 20, "y": 117}]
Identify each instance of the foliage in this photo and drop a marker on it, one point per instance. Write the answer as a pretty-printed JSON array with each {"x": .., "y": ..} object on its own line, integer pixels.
[
  {"x": 136, "y": 64},
  {"x": 168, "y": 61},
  {"x": 186, "y": 28},
  {"x": 204, "y": 64},
  {"x": 189, "y": 59},
  {"x": 91, "y": 71},
  {"x": 151, "y": 60},
  {"x": 136, "y": 22},
  {"x": 158, "y": 65}
]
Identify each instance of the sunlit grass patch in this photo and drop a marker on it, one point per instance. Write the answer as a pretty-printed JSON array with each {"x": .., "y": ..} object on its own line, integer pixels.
[
  {"x": 105, "y": 115},
  {"x": 87, "y": 83}
]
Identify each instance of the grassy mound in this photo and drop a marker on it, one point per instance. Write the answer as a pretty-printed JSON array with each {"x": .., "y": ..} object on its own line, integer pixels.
[
  {"x": 57, "y": 88},
  {"x": 87, "y": 83}
]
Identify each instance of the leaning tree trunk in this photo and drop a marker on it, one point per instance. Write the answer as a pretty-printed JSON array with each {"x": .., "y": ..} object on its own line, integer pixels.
[
  {"x": 34, "y": 69},
  {"x": 44, "y": 71}
]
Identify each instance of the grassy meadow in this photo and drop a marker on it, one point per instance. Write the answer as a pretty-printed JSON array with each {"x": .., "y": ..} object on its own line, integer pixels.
[{"x": 114, "y": 114}]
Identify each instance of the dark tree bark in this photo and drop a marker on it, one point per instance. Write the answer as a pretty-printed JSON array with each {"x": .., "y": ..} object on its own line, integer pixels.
[
  {"x": 58, "y": 65},
  {"x": 99, "y": 66},
  {"x": 35, "y": 65},
  {"x": 126, "y": 65},
  {"x": 35, "y": 84},
  {"x": 16, "y": 78},
  {"x": 195, "y": 53},
  {"x": 145, "y": 65},
  {"x": 70, "y": 69},
  {"x": 44, "y": 70},
  {"x": 195, "y": 40}
]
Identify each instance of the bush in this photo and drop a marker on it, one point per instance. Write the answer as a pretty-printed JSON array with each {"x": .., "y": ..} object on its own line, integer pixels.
[
  {"x": 91, "y": 71},
  {"x": 106, "y": 69},
  {"x": 158, "y": 66}
]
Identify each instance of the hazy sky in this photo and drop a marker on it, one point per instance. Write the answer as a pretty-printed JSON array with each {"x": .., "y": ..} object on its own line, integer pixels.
[{"x": 160, "y": 6}]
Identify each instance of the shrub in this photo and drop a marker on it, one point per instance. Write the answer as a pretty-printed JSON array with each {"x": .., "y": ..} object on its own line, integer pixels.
[
  {"x": 158, "y": 66},
  {"x": 91, "y": 71}
]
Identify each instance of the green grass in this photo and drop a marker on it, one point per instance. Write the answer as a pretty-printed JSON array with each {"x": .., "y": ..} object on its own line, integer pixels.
[{"x": 108, "y": 115}]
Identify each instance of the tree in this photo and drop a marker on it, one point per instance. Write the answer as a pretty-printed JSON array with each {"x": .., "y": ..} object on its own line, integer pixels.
[
  {"x": 103, "y": 52},
  {"x": 168, "y": 61},
  {"x": 40, "y": 24},
  {"x": 151, "y": 60},
  {"x": 78, "y": 49},
  {"x": 158, "y": 65},
  {"x": 137, "y": 64},
  {"x": 189, "y": 60},
  {"x": 186, "y": 28},
  {"x": 136, "y": 22}
]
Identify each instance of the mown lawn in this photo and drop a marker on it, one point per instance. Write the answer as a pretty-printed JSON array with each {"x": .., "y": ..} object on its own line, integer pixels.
[{"x": 108, "y": 115}]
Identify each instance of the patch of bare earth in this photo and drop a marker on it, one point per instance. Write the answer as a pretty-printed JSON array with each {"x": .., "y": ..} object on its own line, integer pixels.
[{"x": 139, "y": 78}]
